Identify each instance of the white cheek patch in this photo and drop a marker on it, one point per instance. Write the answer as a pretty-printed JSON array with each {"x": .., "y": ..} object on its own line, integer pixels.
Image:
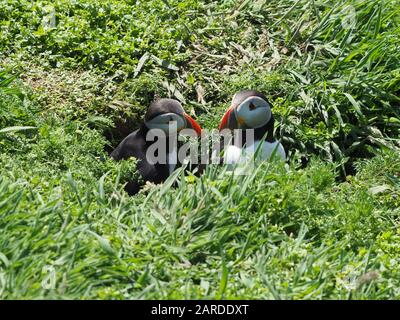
[
  {"x": 170, "y": 123},
  {"x": 254, "y": 112}
]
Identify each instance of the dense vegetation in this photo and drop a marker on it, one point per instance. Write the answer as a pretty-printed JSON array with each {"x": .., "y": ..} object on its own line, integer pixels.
[{"x": 76, "y": 77}]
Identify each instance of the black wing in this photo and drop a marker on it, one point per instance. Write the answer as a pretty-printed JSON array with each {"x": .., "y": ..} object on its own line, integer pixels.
[{"x": 135, "y": 146}]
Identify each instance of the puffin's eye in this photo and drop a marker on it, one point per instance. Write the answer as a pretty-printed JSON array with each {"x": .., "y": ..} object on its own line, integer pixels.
[{"x": 252, "y": 106}]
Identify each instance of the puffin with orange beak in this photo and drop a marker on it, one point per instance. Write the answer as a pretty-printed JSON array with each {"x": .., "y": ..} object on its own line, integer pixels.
[
  {"x": 168, "y": 116},
  {"x": 251, "y": 109}
]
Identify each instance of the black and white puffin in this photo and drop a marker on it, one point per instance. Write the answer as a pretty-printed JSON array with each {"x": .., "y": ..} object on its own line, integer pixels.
[
  {"x": 251, "y": 109},
  {"x": 160, "y": 115}
]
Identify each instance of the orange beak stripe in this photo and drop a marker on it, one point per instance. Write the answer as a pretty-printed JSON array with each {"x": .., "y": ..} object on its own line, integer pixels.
[
  {"x": 225, "y": 119},
  {"x": 195, "y": 126}
]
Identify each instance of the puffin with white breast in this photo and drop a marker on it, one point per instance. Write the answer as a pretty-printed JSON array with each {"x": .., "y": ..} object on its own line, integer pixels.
[
  {"x": 167, "y": 115},
  {"x": 251, "y": 109}
]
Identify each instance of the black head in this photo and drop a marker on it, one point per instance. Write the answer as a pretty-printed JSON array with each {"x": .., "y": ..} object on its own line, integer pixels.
[
  {"x": 168, "y": 115},
  {"x": 163, "y": 106},
  {"x": 239, "y": 97},
  {"x": 250, "y": 109}
]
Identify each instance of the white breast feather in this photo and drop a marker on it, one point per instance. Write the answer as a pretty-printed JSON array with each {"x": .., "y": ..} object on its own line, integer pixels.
[{"x": 235, "y": 155}]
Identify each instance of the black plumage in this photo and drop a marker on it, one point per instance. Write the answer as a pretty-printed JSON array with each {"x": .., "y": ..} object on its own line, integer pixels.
[{"x": 135, "y": 145}]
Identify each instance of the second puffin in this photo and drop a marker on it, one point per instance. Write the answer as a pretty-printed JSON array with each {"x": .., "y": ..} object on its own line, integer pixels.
[{"x": 250, "y": 109}]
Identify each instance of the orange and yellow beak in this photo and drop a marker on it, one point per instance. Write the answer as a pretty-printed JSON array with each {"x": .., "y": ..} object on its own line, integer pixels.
[
  {"x": 225, "y": 120},
  {"x": 230, "y": 121},
  {"x": 193, "y": 124}
]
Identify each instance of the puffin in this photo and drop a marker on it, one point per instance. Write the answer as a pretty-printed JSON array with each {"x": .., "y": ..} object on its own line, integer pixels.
[
  {"x": 250, "y": 109},
  {"x": 164, "y": 114}
]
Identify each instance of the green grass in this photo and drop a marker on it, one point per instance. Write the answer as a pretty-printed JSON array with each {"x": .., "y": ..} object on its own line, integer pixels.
[{"x": 325, "y": 226}]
